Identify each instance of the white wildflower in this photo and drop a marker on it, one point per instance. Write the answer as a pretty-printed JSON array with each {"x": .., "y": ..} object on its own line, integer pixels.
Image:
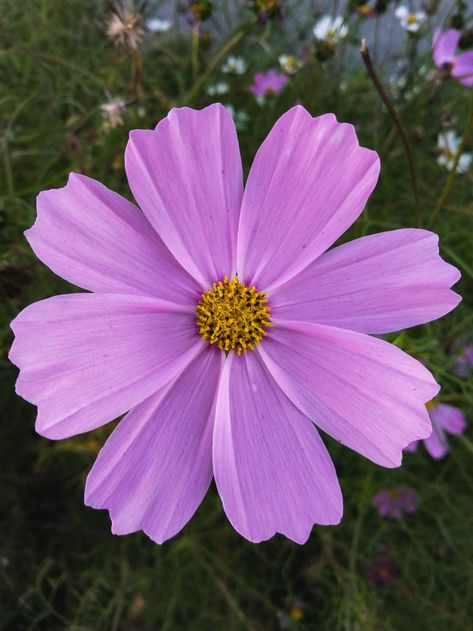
[
  {"x": 448, "y": 146},
  {"x": 112, "y": 112},
  {"x": 289, "y": 63},
  {"x": 411, "y": 21},
  {"x": 234, "y": 65},
  {"x": 218, "y": 88},
  {"x": 329, "y": 28},
  {"x": 156, "y": 25}
]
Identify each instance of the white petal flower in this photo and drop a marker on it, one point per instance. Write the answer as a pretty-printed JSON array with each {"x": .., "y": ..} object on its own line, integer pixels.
[
  {"x": 218, "y": 88},
  {"x": 411, "y": 21},
  {"x": 289, "y": 63},
  {"x": 448, "y": 145},
  {"x": 234, "y": 65},
  {"x": 330, "y": 28},
  {"x": 156, "y": 25},
  {"x": 112, "y": 112}
]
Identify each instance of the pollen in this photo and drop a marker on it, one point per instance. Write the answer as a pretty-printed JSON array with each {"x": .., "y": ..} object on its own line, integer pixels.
[
  {"x": 430, "y": 405},
  {"x": 233, "y": 316}
]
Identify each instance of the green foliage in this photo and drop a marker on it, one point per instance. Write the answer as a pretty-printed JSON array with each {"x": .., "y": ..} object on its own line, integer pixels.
[{"x": 60, "y": 568}]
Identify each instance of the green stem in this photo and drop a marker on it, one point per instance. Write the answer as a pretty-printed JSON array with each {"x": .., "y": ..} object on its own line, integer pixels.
[
  {"x": 218, "y": 58},
  {"x": 397, "y": 122},
  {"x": 195, "y": 51},
  {"x": 451, "y": 176}
]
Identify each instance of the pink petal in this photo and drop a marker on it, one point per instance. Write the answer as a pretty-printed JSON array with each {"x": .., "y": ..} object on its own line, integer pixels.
[
  {"x": 309, "y": 182},
  {"x": 436, "y": 444},
  {"x": 272, "y": 469},
  {"x": 187, "y": 178},
  {"x": 98, "y": 240},
  {"x": 156, "y": 467},
  {"x": 377, "y": 284},
  {"x": 463, "y": 68},
  {"x": 85, "y": 359},
  {"x": 364, "y": 392},
  {"x": 445, "y": 45},
  {"x": 412, "y": 447},
  {"x": 448, "y": 418}
]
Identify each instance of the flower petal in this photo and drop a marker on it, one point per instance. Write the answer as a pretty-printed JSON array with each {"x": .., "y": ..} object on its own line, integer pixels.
[
  {"x": 436, "y": 444},
  {"x": 98, "y": 240},
  {"x": 444, "y": 46},
  {"x": 377, "y": 284},
  {"x": 85, "y": 359},
  {"x": 448, "y": 418},
  {"x": 309, "y": 182},
  {"x": 271, "y": 468},
  {"x": 364, "y": 392},
  {"x": 156, "y": 467},
  {"x": 187, "y": 178},
  {"x": 463, "y": 68}
]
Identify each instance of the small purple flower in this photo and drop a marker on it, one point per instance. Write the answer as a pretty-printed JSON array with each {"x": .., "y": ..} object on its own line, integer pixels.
[
  {"x": 464, "y": 362},
  {"x": 395, "y": 502},
  {"x": 382, "y": 573},
  {"x": 266, "y": 83},
  {"x": 457, "y": 65},
  {"x": 445, "y": 419}
]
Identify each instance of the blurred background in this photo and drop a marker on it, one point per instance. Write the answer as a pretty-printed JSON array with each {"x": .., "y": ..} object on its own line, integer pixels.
[{"x": 75, "y": 77}]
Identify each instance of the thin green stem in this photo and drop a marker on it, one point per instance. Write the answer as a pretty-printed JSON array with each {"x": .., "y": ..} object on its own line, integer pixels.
[
  {"x": 452, "y": 175},
  {"x": 223, "y": 51},
  {"x": 397, "y": 122},
  {"x": 195, "y": 51}
]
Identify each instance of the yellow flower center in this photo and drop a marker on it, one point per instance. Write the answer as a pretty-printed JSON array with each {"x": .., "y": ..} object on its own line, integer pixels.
[
  {"x": 233, "y": 316},
  {"x": 412, "y": 18}
]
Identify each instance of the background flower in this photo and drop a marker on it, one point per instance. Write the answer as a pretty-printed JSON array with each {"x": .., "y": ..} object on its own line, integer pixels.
[
  {"x": 157, "y": 25},
  {"x": 234, "y": 65},
  {"x": 410, "y": 20},
  {"x": 289, "y": 63},
  {"x": 395, "y": 502},
  {"x": 458, "y": 65},
  {"x": 330, "y": 28},
  {"x": 445, "y": 419},
  {"x": 268, "y": 83},
  {"x": 448, "y": 145}
]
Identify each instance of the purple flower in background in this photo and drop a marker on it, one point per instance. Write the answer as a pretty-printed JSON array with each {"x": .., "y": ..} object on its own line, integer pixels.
[
  {"x": 445, "y": 419},
  {"x": 383, "y": 573},
  {"x": 221, "y": 324},
  {"x": 464, "y": 362},
  {"x": 266, "y": 83},
  {"x": 457, "y": 65},
  {"x": 395, "y": 502}
]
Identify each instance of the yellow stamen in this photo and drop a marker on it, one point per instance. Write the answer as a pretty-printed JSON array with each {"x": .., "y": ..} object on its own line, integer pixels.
[
  {"x": 430, "y": 405},
  {"x": 233, "y": 316},
  {"x": 412, "y": 18}
]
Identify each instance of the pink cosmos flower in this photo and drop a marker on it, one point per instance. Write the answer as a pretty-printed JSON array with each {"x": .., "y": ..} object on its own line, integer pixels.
[
  {"x": 459, "y": 66},
  {"x": 445, "y": 419},
  {"x": 395, "y": 502},
  {"x": 202, "y": 273},
  {"x": 270, "y": 82}
]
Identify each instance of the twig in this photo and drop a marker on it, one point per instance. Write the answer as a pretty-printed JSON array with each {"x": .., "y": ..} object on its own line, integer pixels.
[
  {"x": 396, "y": 120},
  {"x": 451, "y": 177}
]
